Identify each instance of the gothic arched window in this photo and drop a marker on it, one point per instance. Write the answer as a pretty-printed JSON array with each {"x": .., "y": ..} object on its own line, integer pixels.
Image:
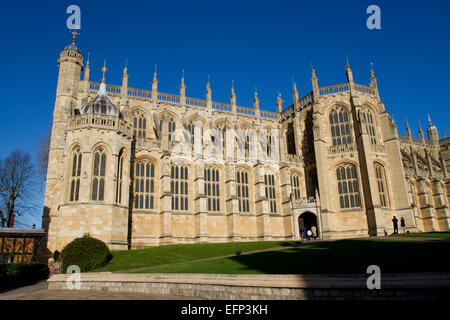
[
  {"x": 340, "y": 126},
  {"x": 242, "y": 190},
  {"x": 348, "y": 186},
  {"x": 171, "y": 129},
  {"x": 75, "y": 174},
  {"x": 290, "y": 139},
  {"x": 269, "y": 180},
  {"x": 269, "y": 143},
  {"x": 247, "y": 146},
  {"x": 119, "y": 187},
  {"x": 381, "y": 183},
  {"x": 140, "y": 125},
  {"x": 99, "y": 174},
  {"x": 144, "y": 185},
  {"x": 179, "y": 187},
  {"x": 212, "y": 189},
  {"x": 191, "y": 129},
  {"x": 295, "y": 185},
  {"x": 367, "y": 115}
]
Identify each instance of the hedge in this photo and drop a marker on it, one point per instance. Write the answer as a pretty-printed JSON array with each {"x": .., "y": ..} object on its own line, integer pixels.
[
  {"x": 21, "y": 274},
  {"x": 87, "y": 253}
]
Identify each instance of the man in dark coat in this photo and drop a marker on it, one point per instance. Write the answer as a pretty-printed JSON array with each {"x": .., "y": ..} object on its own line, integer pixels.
[{"x": 395, "y": 222}]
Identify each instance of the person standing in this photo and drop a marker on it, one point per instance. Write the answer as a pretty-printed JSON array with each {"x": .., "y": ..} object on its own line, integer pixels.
[
  {"x": 402, "y": 224},
  {"x": 308, "y": 234},
  {"x": 314, "y": 231},
  {"x": 395, "y": 222},
  {"x": 303, "y": 232}
]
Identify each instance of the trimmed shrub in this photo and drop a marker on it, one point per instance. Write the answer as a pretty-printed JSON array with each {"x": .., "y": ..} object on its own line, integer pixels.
[
  {"x": 87, "y": 253},
  {"x": 21, "y": 274}
]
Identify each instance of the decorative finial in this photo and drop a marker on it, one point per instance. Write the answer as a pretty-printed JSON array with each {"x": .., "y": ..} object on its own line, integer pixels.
[
  {"x": 347, "y": 65},
  {"x": 87, "y": 62},
  {"x": 372, "y": 71},
  {"x": 429, "y": 119},
  {"x": 155, "y": 75},
  {"x": 74, "y": 34},
  {"x": 104, "y": 70},
  {"x": 208, "y": 86},
  {"x": 182, "y": 78},
  {"x": 232, "y": 83},
  {"x": 408, "y": 130},
  {"x": 420, "y": 130},
  {"x": 126, "y": 63}
]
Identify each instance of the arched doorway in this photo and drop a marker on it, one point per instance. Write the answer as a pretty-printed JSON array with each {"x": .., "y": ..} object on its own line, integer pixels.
[{"x": 308, "y": 220}]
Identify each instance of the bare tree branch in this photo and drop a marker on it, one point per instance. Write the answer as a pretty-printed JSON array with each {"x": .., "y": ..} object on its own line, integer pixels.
[{"x": 17, "y": 187}]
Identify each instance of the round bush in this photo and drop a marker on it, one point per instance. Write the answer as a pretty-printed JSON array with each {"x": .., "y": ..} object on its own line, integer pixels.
[{"x": 87, "y": 253}]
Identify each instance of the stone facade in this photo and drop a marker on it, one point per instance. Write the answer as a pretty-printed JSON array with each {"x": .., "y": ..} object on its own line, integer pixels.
[{"x": 340, "y": 166}]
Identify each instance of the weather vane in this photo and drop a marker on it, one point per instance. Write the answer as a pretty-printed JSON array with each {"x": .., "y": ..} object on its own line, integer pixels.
[{"x": 74, "y": 34}]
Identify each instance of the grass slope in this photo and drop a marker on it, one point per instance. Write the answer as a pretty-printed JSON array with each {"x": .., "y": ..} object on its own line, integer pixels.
[
  {"x": 339, "y": 257},
  {"x": 125, "y": 260}
]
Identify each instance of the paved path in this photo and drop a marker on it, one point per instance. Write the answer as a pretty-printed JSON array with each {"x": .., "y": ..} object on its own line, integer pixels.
[
  {"x": 13, "y": 293},
  {"x": 40, "y": 292}
]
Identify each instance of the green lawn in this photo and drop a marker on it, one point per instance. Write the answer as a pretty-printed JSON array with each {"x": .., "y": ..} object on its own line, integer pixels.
[
  {"x": 125, "y": 260},
  {"x": 339, "y": 257},
  {"x": 424, "y": 235}
]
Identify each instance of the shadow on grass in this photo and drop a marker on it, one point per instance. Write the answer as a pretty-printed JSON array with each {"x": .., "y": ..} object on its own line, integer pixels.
[
  {"x": 440, "y": 234},
  {"x": 339, "y": 257}
]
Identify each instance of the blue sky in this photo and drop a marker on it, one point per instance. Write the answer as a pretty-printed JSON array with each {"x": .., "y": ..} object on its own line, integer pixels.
[{"x": 254, "y": 43}]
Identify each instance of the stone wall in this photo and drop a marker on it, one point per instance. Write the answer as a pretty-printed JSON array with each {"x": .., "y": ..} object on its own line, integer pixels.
[{"x": 427, "y": 286}]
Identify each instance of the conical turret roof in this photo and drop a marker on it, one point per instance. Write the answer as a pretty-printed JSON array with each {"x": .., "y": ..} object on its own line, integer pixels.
[{"x": 100, "y": 104}]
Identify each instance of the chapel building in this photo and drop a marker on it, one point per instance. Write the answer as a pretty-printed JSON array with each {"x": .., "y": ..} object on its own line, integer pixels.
[{"x": 333, "y": 160}]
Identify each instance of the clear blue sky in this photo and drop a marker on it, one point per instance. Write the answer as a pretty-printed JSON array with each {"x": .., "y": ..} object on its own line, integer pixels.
[{"x": 263, "y": 43}]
